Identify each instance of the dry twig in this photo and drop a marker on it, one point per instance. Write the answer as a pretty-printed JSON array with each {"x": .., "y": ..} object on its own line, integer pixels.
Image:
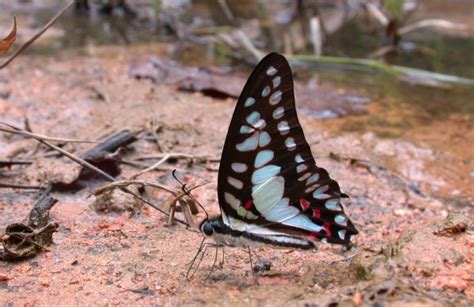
[
  {"x": 125, "y": 183},
  {"x": 21, "y": 186},
  {"x": 36, "y": 36},
  {"x": 43, "y": 137}
]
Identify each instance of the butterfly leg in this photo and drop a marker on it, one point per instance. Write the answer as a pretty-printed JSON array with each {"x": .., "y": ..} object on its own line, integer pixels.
[
  {"x": 221, "y": 263},
  {"x": 251, "y": 265},
  {"x": 198, "y": 257},
  {"x": 214, "y": 262}
]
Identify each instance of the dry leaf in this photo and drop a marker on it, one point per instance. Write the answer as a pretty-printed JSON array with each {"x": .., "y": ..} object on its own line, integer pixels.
[{"x": 7, "y": 42}]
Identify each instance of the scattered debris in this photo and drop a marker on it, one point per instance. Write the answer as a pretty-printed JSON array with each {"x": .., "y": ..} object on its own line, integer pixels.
[
  {"x": 454, "y": 224},
  {"x": 262, "y": 265},
  {"x": 26, "y": 239}
]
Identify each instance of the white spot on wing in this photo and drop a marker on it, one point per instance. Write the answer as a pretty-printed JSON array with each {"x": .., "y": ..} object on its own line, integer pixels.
[
  {"x": 276, "y": 81},
  {"x": 260, "y": 124},
  {"x": 298, "y": 158},
  {"x": 263, "y": 157},
  {"x": 271, "y": 71},
  {"x": 238, "y": 167},
  {"x": 342, "y": 234},
  {"x": 278, "y": 113},
  {"x": 232, "y": 200},
  {"x": 275, "y": 98},
  {"x": 301, "y": 168},
  {"x": 290, "y": 144},
  {"x": 266, "y": 91},
  {"x": 304, "y": 177},
  {"x": 283, "y": 127},
  {"x": 236, "y": 183},
  {"x": 311, "y": 188}
]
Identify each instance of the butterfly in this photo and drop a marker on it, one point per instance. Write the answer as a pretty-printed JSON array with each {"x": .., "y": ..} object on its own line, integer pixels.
[{"x": 270, "y": 190}]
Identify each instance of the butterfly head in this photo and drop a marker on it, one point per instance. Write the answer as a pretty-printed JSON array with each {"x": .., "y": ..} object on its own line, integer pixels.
[
  {"x": 212, "y": 227},
  {"x": 207, "y": 228}
]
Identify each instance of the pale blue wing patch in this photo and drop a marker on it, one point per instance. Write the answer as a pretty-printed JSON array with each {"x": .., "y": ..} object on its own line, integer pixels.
[
  {"x": 302, "y": 221},
  {"x": 265, "y": 173},
  {"x": 264, "y": 139},
  {"x": 249, "y": 144},
  {"x": 341, "y": 220},
  {"x": 313, "y": 179},
  {"x": 319, "y": 193},
  {"x": 280, "y": 211},
  {"x": 245, "y": 129},
  {"x": 263, "y": 157},
  {"x": 268, "y": 193},
  {"x": 253, "y": 118},
  {"x": 332, "y": 204},
  {"x": 249, "y": 102}
]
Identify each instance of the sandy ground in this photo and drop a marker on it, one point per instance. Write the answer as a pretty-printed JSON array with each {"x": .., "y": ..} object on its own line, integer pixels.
[{"x": 405, "y": 253}]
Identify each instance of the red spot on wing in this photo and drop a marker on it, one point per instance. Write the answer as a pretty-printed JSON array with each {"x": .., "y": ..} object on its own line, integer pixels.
[
  {"x": 327, "y": 229},
  {"x": 304, "y": 204},
  {"x": 316, "y": 213},
  {"x": 248, "y": 205},
  {"x": 314, "y": 236}
]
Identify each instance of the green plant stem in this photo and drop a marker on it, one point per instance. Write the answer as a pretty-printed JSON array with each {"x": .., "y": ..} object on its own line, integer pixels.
[{"x": 376, "y": 65}]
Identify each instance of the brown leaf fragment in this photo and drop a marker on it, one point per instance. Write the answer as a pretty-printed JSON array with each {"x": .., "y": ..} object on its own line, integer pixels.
[
  {"x": 23, "y": 240},
  {"x": 8, "y": 41}
]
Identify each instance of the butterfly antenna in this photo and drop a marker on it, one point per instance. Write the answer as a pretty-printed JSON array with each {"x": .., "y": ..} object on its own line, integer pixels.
[{"x": 188, "y": 193}]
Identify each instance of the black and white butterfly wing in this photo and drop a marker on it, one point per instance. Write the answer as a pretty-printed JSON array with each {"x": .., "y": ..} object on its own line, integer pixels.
[{"x": 268, "y": 179}]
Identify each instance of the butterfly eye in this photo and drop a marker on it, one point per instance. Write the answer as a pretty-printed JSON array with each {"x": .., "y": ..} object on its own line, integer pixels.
[{"x": 207, "y": 229}]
